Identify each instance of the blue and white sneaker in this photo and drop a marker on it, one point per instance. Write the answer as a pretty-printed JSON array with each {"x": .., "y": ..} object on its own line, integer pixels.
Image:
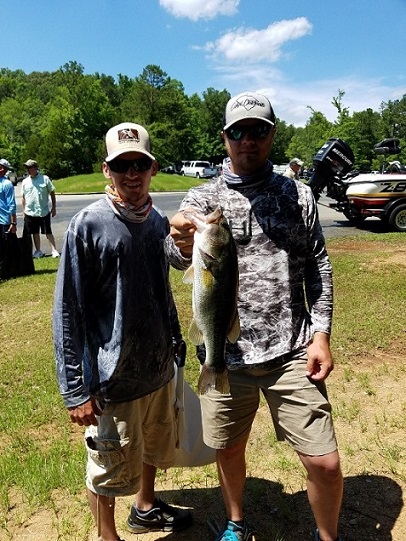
[{"x": 235, "y": 532}]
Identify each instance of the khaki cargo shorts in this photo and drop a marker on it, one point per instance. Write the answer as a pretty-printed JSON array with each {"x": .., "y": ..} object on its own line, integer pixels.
[
  {"x": 128, "y": 434},
  {"x": 299, "y": 407}
]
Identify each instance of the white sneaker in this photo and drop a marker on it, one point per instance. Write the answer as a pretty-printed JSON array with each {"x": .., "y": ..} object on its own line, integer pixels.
[
  {"x": 55, "y": 253},
  {"x": 37, "y": 254}
]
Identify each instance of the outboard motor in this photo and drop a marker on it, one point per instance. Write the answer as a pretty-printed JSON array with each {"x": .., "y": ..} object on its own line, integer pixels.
[
  {"x": 388, "y": 146},
  {"x": 335, "y": 158}
]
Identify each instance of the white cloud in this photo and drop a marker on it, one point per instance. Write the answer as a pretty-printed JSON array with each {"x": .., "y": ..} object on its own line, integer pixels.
[
  {"x": 246, "y": 59},
  {"x": 250, "y": 45},
  {"x": 200, "y": 9},
  {"x": 292, "y": 100}
]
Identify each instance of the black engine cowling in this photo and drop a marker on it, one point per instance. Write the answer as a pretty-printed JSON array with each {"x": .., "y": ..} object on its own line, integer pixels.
[{"x": 335, "y": 158}]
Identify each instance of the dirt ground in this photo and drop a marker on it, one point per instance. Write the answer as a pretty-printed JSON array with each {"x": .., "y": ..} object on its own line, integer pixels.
[{"x": 369, "y": 401}]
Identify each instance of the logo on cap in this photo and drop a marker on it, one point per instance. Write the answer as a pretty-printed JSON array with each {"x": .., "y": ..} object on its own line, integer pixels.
[
  {"x": 129, "y": 134},
  {"x": 248, "y": 102}
]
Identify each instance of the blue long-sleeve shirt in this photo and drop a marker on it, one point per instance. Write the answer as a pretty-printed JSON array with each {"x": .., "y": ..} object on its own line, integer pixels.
[
  {"x": 114, "y": 315},
  {"x": 7, "y": 201}
]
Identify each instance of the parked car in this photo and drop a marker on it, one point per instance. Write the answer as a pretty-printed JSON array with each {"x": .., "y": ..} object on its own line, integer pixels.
[
  {"x": 199, "y": 169},
  {"x": 169, "y": 169}
]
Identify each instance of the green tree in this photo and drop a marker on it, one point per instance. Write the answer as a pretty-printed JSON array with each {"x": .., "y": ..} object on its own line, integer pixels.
[
  {"x": 281, "y": 142},
  {"x": 160, "y": 104},
  {"x": 211, "y": 124},
  {"x": 143, "y": 103},
  {"x": 60, "y": 119},
  {"x": 394, "y": 123},
  {"x": 308, "y": 140},
  {"x": 362, "y": 131}
]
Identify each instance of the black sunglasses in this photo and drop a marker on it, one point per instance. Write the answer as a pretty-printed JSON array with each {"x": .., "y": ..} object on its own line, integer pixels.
[
  {"x": 260, "y": 131},
  {"x": 122, "y": 166}
]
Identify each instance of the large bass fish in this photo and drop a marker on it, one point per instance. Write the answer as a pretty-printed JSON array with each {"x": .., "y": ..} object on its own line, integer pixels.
[{"x": 214, "y": 275}]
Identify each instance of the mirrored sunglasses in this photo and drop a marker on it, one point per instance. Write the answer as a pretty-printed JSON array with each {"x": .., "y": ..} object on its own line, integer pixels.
[
  {"x": 260, "y": 131},
  {"x": 119, "y": 165}
]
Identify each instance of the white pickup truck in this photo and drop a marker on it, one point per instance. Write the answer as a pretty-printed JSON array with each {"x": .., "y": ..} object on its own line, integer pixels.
[{"x": 199, "y": 169}]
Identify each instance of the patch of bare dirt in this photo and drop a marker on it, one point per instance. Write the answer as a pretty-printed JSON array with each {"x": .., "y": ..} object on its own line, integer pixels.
[{"x": 376, "y": 248}]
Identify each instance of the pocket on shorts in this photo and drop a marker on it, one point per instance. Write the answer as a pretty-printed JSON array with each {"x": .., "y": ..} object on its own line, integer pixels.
[
  {"x": 106, "y": 453},
  {"x": 107, "y": 463}
]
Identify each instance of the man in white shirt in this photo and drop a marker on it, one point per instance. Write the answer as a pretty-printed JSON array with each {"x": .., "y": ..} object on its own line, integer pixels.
[
  {"x": 292, "y": 170},
  {"x": 36, "y": 189}
]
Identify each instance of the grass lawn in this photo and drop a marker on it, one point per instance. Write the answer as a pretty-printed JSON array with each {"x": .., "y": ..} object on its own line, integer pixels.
[
  {"x": 41, "y": 454},
  {"x": 95, "y": 182}
]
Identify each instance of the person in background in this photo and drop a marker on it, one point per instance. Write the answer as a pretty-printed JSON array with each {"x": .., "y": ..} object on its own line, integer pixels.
[
  {"x": 36, "y": 190},
  {"x": 8, "y": 208},
  {"x": 285, "y": 307},
  {"x": 293, "y": 169},
  {"x": 116, "y": 333}
]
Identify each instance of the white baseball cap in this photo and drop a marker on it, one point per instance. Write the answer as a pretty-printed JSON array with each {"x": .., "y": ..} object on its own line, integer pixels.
[
  {"x": 296, "y": 161},
  {"x": 127, "y": 137},
  {"x": 5, "y": 163},
  {"x": 248, "y": 105},
  {"x": 31, "y": 163}
]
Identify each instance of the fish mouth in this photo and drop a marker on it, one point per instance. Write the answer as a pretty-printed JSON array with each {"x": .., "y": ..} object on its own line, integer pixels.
[
  {"x": 197, "y": 220},
  {"x": 201, "y": 221}
]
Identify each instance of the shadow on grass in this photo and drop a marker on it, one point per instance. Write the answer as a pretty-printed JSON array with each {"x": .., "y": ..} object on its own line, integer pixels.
[
  {"x": 370, "y": 226},
  {"x": 371, "y": 506},
  {"x": 46, "y": 271}
]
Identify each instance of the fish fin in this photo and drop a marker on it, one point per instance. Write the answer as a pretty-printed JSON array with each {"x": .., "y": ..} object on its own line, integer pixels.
[
  {"x": 195, "y": 334},
  {"x": 189, "y": 275},
  {"x": 209, "y": 379},
  {"x": 207, "y": 278},
  {"x": 234, "y": 329}
]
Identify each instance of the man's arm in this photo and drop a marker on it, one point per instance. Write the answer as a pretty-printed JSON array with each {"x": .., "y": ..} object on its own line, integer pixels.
[
  {"x": 319, "y": 294},
  {"x": 69, "y": 328},
  {"x": 53, "y": 201},
  {"x": 13, "y": 224},
  {"x": 320, "y": 361},
  {"x": 12, "y": 208},
  {"x": 85, "y": 414}
]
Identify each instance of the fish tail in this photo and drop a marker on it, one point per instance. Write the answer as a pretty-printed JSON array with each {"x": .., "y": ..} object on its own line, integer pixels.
[{"x": 210, "y": 379}]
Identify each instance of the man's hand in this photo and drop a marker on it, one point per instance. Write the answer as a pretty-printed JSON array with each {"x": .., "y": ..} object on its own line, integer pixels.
[
  {"x": 320, "y": 361},
  {"x": 85, "y": 414},
  {"x": 182, "y": 232}
]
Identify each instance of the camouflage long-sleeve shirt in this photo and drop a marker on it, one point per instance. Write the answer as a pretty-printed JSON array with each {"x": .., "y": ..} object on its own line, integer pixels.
[{"x": 285, "y": 289}]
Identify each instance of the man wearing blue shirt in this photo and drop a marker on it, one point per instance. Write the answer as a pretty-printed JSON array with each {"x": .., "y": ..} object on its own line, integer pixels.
[{"x": 8, "y": 218}]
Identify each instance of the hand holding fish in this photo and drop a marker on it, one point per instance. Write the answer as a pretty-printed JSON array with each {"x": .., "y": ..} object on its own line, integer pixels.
[
  {"x": 214, "y": 275},
  {"x": 182, "y": 232}
]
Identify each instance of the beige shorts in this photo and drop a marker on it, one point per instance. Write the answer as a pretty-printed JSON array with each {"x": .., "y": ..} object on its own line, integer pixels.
[
  {"x": 128, "y": 434},
  {"x": 299, "y": 407}
]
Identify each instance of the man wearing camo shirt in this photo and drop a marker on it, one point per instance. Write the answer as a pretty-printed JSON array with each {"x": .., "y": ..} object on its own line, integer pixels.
[{"x": 285, "y": 309}]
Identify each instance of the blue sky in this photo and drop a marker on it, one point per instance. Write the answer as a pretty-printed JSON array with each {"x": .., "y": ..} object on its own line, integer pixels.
[{"x": 297, "y": 52}]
